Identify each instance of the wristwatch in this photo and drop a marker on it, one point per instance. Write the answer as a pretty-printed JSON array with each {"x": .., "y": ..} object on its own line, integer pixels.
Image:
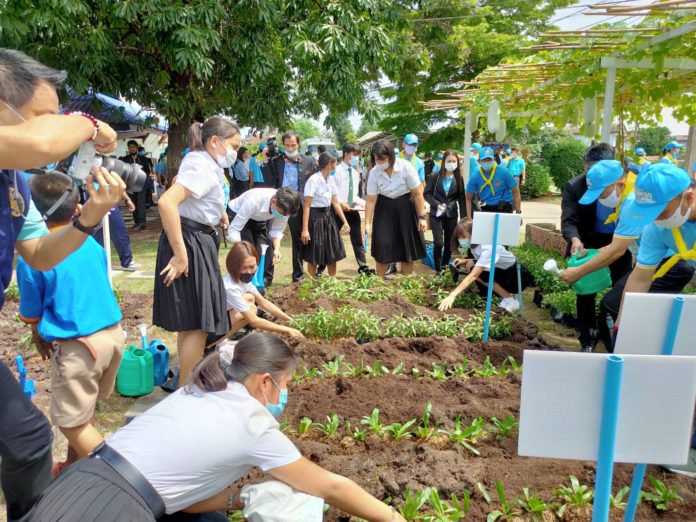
[
  {"x": 421, "y": 217},
  {"x": 79, "y": 226}
]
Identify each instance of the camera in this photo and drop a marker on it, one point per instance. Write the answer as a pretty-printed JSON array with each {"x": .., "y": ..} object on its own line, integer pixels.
[
  {"x": 87, "y": 157},
  {"x": 272, "y": 148}
]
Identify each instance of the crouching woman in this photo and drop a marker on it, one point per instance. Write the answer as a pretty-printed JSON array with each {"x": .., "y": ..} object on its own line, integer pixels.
[{"x": 186, "y": 453}]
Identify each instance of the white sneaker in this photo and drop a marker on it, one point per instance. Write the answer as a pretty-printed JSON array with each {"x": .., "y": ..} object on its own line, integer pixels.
[
  {"x": 510, "y": 304},
  {"x": 132, "y": 267}
]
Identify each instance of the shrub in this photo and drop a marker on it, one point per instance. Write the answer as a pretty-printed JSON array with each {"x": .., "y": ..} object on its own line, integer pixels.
[
  {"x": 537, "y": 182},
  {"x": 565, "y": 161},
  {"x": 533, "y": 258},
  {"x": 12, "y": 291}
]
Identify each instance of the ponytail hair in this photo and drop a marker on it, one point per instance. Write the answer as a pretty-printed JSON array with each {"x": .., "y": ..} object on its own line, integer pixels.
[
  {"x": 256, "y": 353},
  {"x": 324, "y": 159},
  {"x": 200, "y": 133}
]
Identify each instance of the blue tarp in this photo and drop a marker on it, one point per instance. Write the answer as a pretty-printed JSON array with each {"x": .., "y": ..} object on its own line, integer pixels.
[{"x": 117, "y": 113}]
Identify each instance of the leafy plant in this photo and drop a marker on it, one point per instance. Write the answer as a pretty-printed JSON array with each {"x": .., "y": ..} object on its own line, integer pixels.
[
  {"x": 506, "y": 427},
  {"x": 12, "y": 291},
  {"x": 305, "y": 426},
  {"x": 333, "y": 367},
  {"x": 617, "y": 501},
  {"x": 662, "y": 495},
  {"x": 538, "y": 181},
  {"x": 376, "y": 369},
  {"x": 399, "y": 369},
  {"x": 400, "y": 431},
  {"x": 488, "y": 369},
  {"x": 357, "y": 370},
  {"x": 284, "y": 426},
  {"x": 330, "y": 427},
  {"x": 508, "y": 509},
  {"x": 438, "y": 372},
  {"x": 500, "y": 327},
  {"x": 424, "y": 430},
  {"x": 372, "y": 421},
  {"x": 466, "y": 436},
  {"x": 577, "y": 494},
  {"x": 413, "y": 503},
  {"x": 460, "y": 508},
  {"x": 358, "y": 434},
  {"x": 462, "y": 369},
  {"x": 310, "y": 373},
  {"x": 533, "y": 504},
  {"x": 514, "y": 365},
  {"x": 565, "y": 161}
]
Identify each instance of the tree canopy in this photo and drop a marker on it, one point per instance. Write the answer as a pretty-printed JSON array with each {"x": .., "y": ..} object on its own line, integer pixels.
[{"x": 653, "y": 139}]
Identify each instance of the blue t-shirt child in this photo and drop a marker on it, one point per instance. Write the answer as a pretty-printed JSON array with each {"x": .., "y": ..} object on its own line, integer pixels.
[{"x": 72, "y": 300}]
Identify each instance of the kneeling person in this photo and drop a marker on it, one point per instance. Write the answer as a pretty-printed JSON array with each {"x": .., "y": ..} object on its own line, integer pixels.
[{"x": 80, "y": 316}]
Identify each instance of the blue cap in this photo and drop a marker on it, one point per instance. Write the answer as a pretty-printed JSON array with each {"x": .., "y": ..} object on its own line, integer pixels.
[
  {"x": 411, "y": 139},
  {"x": 508, "y": 151},
  {"x": 262, "y": 146},
  {"x": 185, "y": 151},
  {"x": 438, "y": 155},
  {"x": 600, "y": 176},
  {"x": 475, "y": 146},
  {"x": 640, "y": 150},
  {"x": 659, "y": 185},
  {"x": 487, "y": 153},
  {"x": 673, "y": 145}
]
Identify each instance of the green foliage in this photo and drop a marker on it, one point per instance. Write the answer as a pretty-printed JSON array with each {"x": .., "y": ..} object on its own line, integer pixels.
[
  {"x": 12, "y": 291},
  {"x": 564, "y": 302},
  {"x": 500, "y": 327},
  {"x": 424, "y": 431},
  {"x": 373, "y": 423},
  {"x": 343, "y": 131},
  {"x": 330, "y": 427},
  {"x": 505, "y": 428},
  {"x": 534, "y": 505},
  {"x": 617, "y": 501},
  {"x": 365, "y": 289},
  {"x": 413, "y": 503},
  {"x": 662, "y": 495},
  {"x": 537, "y": 181},
  {"x": 565, "y": 161},
  {"x": 306, "y": 128},
  {"x": 305, "y": 426},
  {"x": 400, "y": 431},
  {"x": 653, "y": 139},
  {"x": 577, "y": 495},
  {"x": 466, "y": 436},
  {"x": 508, "y": 508},
  {"x": 533, "y": 258},
  {"x": 118, "y": 295}
]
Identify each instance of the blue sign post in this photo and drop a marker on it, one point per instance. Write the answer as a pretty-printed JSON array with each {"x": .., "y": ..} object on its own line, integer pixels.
[
  {"x": 257, "y": 280},
  {"x": 519, "y": 286},
  {"x": 667, "y": 349},
  {"x": 491, "y": 276}
]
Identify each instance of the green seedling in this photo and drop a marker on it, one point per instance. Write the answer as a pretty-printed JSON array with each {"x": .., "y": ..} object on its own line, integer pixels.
[
  {"x": 415, "y": 373},
  {"x": 514, "y": 366},
  {"x": 443, "y": 511},
  {"x": 400, "y": 369},
  {"x": 376, "y": 369},
  {"x": 333, "y": 367},
  {"x": 305, "y": 426},
  {"x": 297, "y": 378},
  {"x": 617, "y": 502},
  {"x": 461, "y": 370},
  {"x": 533, "y": 505},
  {"x": 467, "y": 436},
  {"x": 487, "y": 369},
  {"x": 400, "y": 431},
  {"x": 508, "y": 509},
  {"x": 284, "y": 426},
  {"x": 357, "y": 370},
  {"x": 330, "y": 427},
  {"x": 577, "y": 495},
  {"x": 506, "y": 427},
  {"x": 413, "y": 503},
  {"x": 424, "y": 431},
  {"x": 460, "y": 508},
  {"x": 661, "y": 496},
  {"x": 438, "y": 372},
  {"x": 372, "y": 421},
  {"x": 311, "y": 373},
  {"x": 358, "y": 434}
]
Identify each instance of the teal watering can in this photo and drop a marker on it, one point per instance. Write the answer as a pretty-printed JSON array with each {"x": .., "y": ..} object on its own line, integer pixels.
[{"x": 135, "y": 375}]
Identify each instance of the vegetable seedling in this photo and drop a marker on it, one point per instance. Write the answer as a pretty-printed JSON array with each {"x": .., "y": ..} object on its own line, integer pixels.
[
  {"x": 577, "y": 494},
  {"x": 617, "y": 502},
  {"x": 372, "y": 421},
  {"x": 400, "y": 431},
  {"x": 662, "y": 495},
  {"x": 438, "y": 372},
  {"x": 467, "y": 436},
  {"x": 506, "y": 427},
  {"x": 508, "y": 509},
  {"x": 333, "y": 367},
  {"x": 305, "y": 426},
  {"x": 533, "y": 504},
  {"x": 424, "y": 431},
  {"x": 330, "y": 427},
  {"x": 413, "y": 503}
]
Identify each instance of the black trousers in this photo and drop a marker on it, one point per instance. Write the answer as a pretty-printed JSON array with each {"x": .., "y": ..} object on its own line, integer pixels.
[
  {"x": 353, "y": 219},
  {"x": 256, "y": 233},
  {"x": 139, "y": 199},
  {"x": 25, "y": 447},
  {"x": 443, "y": 228},
  {"x": 587, "y": 316},
  {"x": 504, "y": 207},
  {"x": 239, "y": 187},
  {"x": 295, "y": 226},
  {"x": 673, "y": 282}
]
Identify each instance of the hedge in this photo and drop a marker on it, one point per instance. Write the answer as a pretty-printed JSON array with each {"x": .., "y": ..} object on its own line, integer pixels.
[{"x": 565, "y": 161}]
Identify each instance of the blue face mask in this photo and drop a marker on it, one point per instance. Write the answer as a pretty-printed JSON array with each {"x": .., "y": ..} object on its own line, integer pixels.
[
  {"x": 464, "y": 244},
  {"x": 277, "y": 409},
  {"x": 354, "y": 161},
  {"x": 487, "y": 165},
  {"x": 276, "y": 214},
  {"x": 141, "y": 153},
  {"x": 332, "y": 173}
]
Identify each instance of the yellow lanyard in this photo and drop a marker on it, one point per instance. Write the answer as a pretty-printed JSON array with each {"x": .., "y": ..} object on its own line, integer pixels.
[
  {"x": 682, "y": 253},
  {"x": 411, "y": 161},
  {"x": 628, "y": 188},
  {"x": 488, "y": 181},
  {"x": 672, "y": 159}
]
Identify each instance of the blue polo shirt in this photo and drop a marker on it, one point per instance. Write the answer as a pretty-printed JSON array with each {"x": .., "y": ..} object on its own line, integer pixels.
[
  {"x": 657, "y": 243},
  {"x": 503, "y": 183},
  {"x": 603, "y": 212},
  {"x": 72, "y": 300},
  {"x": 256, "y": 170},
  {"x": 417, "y": 164},
  {"x": 290, "y": 176},
  {"x": 516, "y": 166}
]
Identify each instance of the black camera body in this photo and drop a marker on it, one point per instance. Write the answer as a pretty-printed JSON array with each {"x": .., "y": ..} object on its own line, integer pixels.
[
  {"x": 273, "y": 150},
  {"x": 87, "y": 157}
]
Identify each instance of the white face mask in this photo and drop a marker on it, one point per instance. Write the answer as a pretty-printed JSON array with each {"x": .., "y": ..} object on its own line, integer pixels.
[
  {"x": 675, "y": 220},
  {"x": 228, "y": 159},
  {"x": 292, "y": 154},
  {"x": 381, "y": 167},
  {"x": 451, "y": 166},
  {"x": 612, "y": 200},
  {"x": 410, "y": 150}
]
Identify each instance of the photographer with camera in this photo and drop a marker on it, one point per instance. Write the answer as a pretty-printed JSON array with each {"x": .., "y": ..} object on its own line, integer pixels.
[
  {"x": 32, "y": 134},
  {"x": 139, "y": 197}
]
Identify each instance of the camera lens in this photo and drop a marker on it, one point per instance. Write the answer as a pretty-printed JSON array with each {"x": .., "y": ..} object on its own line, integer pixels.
[{"x": 131, "y": 173}]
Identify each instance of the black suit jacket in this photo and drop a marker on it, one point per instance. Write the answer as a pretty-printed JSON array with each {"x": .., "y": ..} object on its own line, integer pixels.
[
  {"x": 435, "y": 194},
  {"x": 579, "y": 220},
  {"x": 276, "y": 172}
]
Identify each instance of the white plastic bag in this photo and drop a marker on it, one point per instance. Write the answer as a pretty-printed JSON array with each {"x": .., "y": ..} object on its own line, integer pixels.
[{"x": 275, "y": 501}]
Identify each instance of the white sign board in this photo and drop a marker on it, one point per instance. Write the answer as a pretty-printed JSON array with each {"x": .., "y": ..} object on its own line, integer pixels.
[
  {"x": 508, "y": 229},
  {"x": 561, "y": 407},
  {"x": 644, "y": 319}
]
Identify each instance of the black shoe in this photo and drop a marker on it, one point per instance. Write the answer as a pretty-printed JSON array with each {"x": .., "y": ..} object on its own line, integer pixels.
[
  {"x": 267, "y": 282},
  {"x": 587, "y": 348},
  {"x": 241, "y": 333},
  {"x": 135, "y": 225},
  {"x": 455, "y": 273},
  {"x": 366, "y": 270},
  {"x": 391, "y": 269},
  {"x": 320, "y": 270}
]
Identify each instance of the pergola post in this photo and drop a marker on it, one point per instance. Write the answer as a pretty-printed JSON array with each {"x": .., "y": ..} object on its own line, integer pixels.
[
  {"x": 608, "y": 111},
  {"x": 468, "y": 122}
]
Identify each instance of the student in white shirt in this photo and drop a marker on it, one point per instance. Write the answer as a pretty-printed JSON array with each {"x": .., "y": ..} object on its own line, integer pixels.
[
  {"x": 260, "y": 216},
  {"x": 347, "y": 181},
  {"x": 395, "y": 211},
  {"x": 188, "y": 451},
  {"x": 194, "y": 305},
  {"x": 242, "y": 296},
  {"x": 505, "y": 276},
  {"x": 321, "y": 237}
]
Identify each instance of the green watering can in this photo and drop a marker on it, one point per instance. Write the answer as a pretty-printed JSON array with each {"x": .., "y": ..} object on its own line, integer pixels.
[
  {"x": 594, "y": 281},
  {"x": 135, "y": 375}
]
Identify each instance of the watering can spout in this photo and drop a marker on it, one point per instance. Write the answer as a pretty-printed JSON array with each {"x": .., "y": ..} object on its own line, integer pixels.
[{"x": 551, "y": 266}]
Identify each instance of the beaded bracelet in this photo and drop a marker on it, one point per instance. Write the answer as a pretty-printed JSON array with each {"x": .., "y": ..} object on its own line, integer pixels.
[{"x": 92, "y": 119}]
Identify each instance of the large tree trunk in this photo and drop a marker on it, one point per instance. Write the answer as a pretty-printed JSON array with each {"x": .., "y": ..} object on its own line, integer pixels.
[{"x": 177, "y": 144}]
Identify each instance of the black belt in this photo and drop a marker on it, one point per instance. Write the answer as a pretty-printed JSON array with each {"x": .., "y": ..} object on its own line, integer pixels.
[
  {"x": 198, "y": 227},
  {"x": 131, "y": 475},
  {"x": 397, "y": 198}
]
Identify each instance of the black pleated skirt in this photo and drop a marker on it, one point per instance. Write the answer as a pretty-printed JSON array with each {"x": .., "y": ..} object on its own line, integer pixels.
[
  {"x": 507, "y": 278},
  {"x": 90, "y": 491},
  {"x": 395, "y": 235},
  {"x": 325, "y": 246},
  {"x": 196, "y": 302}
]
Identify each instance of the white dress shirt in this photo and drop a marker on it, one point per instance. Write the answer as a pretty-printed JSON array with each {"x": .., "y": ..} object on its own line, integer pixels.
[
  {"x": 346, "y": 174},
  {"x": 403, "y": 180},
  {"x": 202, "y": 176},
  {"x": 321, "y": 190},
  {"x": 255, "y": 204}
]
